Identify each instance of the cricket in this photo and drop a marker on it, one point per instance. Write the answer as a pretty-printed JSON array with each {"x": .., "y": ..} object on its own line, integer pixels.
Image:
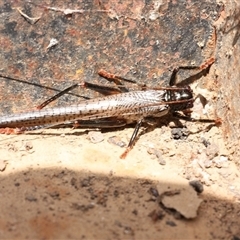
[{"x": 117, "y": 108}]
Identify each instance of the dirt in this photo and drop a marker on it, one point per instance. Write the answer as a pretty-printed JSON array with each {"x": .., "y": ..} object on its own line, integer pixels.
[{"x": 57, "y": 183}]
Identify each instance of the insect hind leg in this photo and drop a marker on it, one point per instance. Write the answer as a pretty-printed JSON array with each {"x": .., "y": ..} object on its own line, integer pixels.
[{"x": 118, "y": 80}]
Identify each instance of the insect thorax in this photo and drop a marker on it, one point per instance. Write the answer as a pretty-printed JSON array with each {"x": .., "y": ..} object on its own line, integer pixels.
[{"x": 179, "y": 98}]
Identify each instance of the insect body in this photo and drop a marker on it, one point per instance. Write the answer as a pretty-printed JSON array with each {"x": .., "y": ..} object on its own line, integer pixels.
[
  {"x": 114, "y": 110},
  {"x": 151, "y": 103}
]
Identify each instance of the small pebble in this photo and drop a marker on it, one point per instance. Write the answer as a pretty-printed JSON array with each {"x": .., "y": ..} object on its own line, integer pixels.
[
  {"x": 197, "y": 185},
  {"x": 212, "y": 151},
  {"x": 116, "y": 141},
  {"x": 158, "y": 154},
  {"x": 95, "y": 137}
]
